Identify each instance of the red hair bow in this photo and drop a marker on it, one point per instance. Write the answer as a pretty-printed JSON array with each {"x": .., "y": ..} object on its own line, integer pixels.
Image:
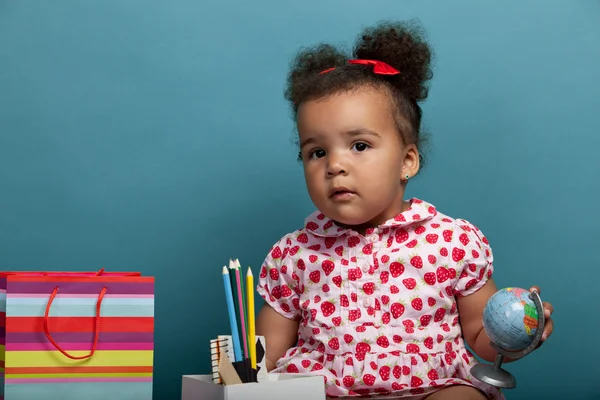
[{"x": 379, "y": 67}]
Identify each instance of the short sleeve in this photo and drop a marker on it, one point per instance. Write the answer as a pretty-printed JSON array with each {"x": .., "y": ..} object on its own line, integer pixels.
[
  {"x": 277, "y": 283},
  {"x": 472, "y": 255}
]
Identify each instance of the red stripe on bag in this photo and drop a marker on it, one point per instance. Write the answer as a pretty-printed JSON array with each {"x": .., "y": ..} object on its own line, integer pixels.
[{"x": 80, "y": 324}]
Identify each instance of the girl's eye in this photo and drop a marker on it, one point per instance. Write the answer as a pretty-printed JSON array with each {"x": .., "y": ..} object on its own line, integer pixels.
[
  {"x": 360, "y": 146},
  {"x": 319, "y": 153}
]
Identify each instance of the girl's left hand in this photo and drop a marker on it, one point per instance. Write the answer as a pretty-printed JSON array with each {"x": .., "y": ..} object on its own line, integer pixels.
[{"x": 548, "y": 310}]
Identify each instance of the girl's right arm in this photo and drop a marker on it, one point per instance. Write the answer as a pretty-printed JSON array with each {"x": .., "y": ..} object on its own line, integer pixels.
[{"x": 280, "y": 333}]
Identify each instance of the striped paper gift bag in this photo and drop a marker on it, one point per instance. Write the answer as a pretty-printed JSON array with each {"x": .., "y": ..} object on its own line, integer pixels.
[{"x": 67, "y": 335}]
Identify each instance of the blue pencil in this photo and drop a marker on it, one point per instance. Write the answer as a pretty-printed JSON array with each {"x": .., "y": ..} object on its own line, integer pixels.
[{"x": 237, "y": 350}]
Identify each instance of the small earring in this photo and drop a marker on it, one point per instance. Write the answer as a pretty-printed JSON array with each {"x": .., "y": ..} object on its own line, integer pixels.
[{"x": 406, "y": 177}]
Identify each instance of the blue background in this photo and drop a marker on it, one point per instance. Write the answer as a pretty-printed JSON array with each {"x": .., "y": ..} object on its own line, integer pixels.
[{"x": 153, "y": 136}]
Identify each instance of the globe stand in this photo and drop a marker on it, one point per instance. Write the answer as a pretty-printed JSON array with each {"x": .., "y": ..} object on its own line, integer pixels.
[{"x": 494, "y": 374}]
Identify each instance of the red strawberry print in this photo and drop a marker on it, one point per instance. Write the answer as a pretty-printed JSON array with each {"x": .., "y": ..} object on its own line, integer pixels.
[
  {"x": 383, "y": 341},
  {"x": 420, "y": 230},
  {"x": 409, "y": 283},
  {"x": 306, "y": 363},
  {"x": 412, "y": 348},
  {"x": 311, "y": 226},
  {"x": 368, "y": 288},
  {"x": 401, "y": 236},
  {"x": 353, "y": 315},
  {"x": 337, "y": 280},
  {"x": 385, "y": 318},
  {"x": 317, "y": 367},
  {"x": 444, "y": 252},
  {"x": 315, "y": 276},
  {"x": 394, "y": 289},
  {"x": 384, "y": 372},
  {"x": 348, "y": 338},
  {"x": 457, "y": 254},
  {"x": 274, "y": 274},
  {"x": 432, "y": 238},
  {"x": 334, "y": 343},
  {"x": 442, "y": 274},
  {"x": 354, "y": 274},
  {"x": 385, "y": 299},
  {"x": 397, "y": 371},
  {"x": 353, "y": 241},
  {"x": 313, "y": 258},
  {"x": 439, "y": 314},
  {"x": 368, "y": 249},
  {"x": 417, "y": 303},
  {"x": 344, "y": 301},
  {"x": 396, "y": 269},
  {"x": 397, "y": 309},
  {"x": 368, "y": 379},
  {"x": 416, "y": 262},
  {"x": 412, "y": 243},
  {"x": 348, "y": 381},
  {"x": 385, "y": 258},
  {"x": 425, "y": 320},
  {"x": 285, "y": 291},
  {"x": 433, "y": 375},
  {"x": 337, "y": 321},
  {"x": 384, "y": 276},
  {"x": 292, "y": 369},
  {"x": 363, "y": 347},
  {"x": 464, "y": 239},
  {"x": 432, "y": 259},
  {"x": 328, "y": 267},
  {"x": 301, "y": 266},
  {"x": 431, "y": 302},
  {"x": 325, "y": 288},
  {"x": 429, "y": 278},
  {"x": 428, "y": 342},
  {"x": 294, "y": 250},
  {"x": 447, "y": 235},
  {"x": 315, "y": 247},
  {"x": 339, "y": 251},
  {"x": 328, "y": 308},
  {"x": 302, "y": 238},
  {"x": 276, "y": 252},
  {"x": 397, "y": 338},
  {"x": 405, "y": 370},
  {"x": 470, "y": 284}
]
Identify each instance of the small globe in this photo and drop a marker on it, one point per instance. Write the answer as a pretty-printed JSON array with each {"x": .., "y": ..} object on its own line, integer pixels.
[{"x": 510, "y": 319}]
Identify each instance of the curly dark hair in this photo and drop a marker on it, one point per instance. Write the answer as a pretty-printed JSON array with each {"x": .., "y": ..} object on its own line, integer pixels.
[{"x": 399, "y": 44}]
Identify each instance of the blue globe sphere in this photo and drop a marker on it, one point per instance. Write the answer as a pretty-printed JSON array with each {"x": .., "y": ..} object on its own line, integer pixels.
[{"x": 510, "y": 319}]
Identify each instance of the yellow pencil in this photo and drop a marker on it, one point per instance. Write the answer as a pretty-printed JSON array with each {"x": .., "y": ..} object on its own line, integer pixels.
[{"x": 250, "y": 302}]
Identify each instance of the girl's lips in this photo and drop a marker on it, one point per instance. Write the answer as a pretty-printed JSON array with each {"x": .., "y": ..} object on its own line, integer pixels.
[{"x": 342, "y": 195}]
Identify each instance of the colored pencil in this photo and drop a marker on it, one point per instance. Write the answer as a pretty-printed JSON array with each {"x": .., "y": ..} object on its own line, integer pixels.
[
  {"x": 241, "y": 307},
  {"x": 242, "y": 281},
  {"x": 238, "y": 317},
  {"x": 234, "y": 329},
  {"x": 251, "y": 333}
]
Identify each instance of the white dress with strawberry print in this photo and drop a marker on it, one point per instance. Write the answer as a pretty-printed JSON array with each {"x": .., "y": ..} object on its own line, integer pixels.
[{"x": 378, "y": 312}]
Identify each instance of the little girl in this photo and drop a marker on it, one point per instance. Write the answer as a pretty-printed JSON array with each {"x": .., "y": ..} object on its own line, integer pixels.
[{"x": 377, "y": 293}]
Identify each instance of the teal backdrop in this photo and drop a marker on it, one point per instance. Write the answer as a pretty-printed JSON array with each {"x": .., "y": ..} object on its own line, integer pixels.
[{"x": 153, "y": 136}]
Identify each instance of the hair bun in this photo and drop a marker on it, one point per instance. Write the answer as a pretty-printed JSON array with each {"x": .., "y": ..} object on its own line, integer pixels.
[{"x": 401, "y": 45}]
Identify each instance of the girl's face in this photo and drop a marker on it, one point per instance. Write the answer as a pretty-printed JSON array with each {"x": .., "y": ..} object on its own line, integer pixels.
[{"x": 354, "y": 157}]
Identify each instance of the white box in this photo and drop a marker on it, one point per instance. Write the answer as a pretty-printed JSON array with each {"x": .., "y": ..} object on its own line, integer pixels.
[{"x": 279, "y": 386}]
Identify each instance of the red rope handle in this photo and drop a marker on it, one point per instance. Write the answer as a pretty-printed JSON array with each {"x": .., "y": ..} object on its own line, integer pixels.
[{"x": 97, "y": 334}]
